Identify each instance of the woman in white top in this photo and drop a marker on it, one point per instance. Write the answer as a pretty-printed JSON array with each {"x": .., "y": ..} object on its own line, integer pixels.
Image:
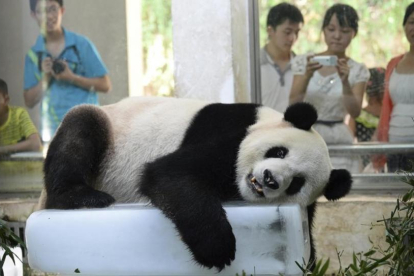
[
  {"x": 335, "y": 91},
  {"x": 397, "y": 114}
]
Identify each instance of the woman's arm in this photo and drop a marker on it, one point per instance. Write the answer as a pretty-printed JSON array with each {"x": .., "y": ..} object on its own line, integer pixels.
[
  {"x": 298, "y": 90},
  {"x": 352, "y": 127},
  {"x": 300, "y": 82},
  {"x": 352, "y": 96},
  {"x": 381, "y": 133},
  {"x": 32, "y": 143},
  {"x": 387, "y": 104}
]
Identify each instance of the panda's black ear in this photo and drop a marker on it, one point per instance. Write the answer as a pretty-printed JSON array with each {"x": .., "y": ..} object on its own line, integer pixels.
[
  {"x": 339, "y": 184},
  {"x": 301, "y": 115}
]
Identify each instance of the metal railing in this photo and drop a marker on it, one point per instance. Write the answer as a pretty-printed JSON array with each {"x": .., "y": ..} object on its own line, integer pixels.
[
  {"x": 368, "y": 148},
  {"x": 23, "y": 156},
  {"x": 388, "y": 182}
]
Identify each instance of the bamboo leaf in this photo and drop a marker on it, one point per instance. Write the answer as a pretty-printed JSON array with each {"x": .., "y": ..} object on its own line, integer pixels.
[{"x": 324, "y": 268}]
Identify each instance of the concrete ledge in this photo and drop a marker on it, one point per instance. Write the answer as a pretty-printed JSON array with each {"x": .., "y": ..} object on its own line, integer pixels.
[
  {"x": 348, "y": 225},
  {"x": 17, "y": 209}
]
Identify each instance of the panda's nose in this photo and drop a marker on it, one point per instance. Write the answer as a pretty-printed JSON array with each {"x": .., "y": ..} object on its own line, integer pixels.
[{"x": 269, "y": 181}]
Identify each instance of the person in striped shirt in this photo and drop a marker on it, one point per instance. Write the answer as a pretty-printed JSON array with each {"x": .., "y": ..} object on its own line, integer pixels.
[{"x": 17, "y": 131}]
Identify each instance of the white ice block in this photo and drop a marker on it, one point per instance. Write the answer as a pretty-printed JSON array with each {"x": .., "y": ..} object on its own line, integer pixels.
[{"x": 134, "y": 239}]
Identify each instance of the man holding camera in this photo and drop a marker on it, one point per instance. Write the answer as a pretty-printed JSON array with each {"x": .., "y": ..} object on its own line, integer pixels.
[{"x": 62, "y": 69}]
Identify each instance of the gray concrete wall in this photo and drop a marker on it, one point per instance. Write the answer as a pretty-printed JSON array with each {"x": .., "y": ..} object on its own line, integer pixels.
[
  {"x": 18, "y": 31},
  {"x": 103, "y": 21}
]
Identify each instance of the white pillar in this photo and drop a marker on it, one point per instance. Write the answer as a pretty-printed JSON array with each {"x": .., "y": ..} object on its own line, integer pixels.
[
  {"x": 210, "y": 42},
  {"x": 134, "y": 42}
]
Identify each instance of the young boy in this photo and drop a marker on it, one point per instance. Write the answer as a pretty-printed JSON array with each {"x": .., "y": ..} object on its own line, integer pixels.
[
  {"x": 62, "y": 69},
  {"x": 284, "y": 22},
  {"x": 17, "y": 132}
]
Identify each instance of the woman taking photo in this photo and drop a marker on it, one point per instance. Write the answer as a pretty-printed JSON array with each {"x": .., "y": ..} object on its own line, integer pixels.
[{"x": 336, "y": 90}]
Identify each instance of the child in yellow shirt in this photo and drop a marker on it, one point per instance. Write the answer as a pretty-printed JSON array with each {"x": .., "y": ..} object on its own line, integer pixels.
[{"x": 17, "y": 131}]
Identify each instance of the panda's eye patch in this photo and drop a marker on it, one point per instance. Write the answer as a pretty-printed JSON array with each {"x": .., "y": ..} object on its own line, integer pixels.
[
  {"x": 295, "y": 186},
  {"x": 277, "y": 152}
]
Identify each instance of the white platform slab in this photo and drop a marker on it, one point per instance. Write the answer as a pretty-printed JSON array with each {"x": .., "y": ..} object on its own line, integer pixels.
[{"x": 139, "y": 240}]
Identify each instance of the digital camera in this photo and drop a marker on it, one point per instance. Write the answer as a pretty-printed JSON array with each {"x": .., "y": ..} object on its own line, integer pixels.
[
  {"x": 325, "y": 60},
  {"x": 58, "y": 66}
]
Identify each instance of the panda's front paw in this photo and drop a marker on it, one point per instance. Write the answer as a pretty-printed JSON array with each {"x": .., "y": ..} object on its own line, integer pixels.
[
  {"x": 215, "y": 248},
  {"x": 80, "y": 197}
]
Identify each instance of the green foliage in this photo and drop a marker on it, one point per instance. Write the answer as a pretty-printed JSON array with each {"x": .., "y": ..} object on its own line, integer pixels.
[
  {"x": 320, "y": 268},
  {"x": 380, "y": 35},
  {"x": 398, "y": 258},
  {"x": 8, "y": 240},
  {"x": 157, "y": 47},
  {"x": 243, "y": 274}
]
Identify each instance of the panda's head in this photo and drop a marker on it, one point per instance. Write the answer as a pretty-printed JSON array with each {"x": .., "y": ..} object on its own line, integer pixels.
[{"x": 284, "y": 160}]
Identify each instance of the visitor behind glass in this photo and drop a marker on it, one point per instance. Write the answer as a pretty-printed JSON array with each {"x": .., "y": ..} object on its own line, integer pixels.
[
  {"x": 365, "y": 125},
  {"x": 17, "y": 131},
  {"x": 397, "y": 116},
  {"x": 284, "y": 22},
  {"x": 335, "y": 90},
  {"x": 62, "y": 69}
]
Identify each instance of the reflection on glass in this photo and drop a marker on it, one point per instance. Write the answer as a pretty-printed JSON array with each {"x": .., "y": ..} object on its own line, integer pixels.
[
  {"x": 335, "y": 90},
  {"x": 365, "y": 125},
  {"x": 100, "y": 27},
  {"x": 397, "y": 116},
  {"x": 379, "y": 38},
  {"x": 283, "y": 24},
  {"x": 62, "y": 69}
]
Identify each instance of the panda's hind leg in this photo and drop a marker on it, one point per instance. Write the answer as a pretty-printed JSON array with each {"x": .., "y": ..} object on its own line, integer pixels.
[{"x": 74, "y": 158}]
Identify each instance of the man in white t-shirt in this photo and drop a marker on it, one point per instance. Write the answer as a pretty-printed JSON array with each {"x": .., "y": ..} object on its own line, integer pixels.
[{"x": 284, "y": 22}]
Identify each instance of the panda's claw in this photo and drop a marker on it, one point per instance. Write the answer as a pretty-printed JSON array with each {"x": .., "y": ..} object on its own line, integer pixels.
[{"x": 214, "y": 248}]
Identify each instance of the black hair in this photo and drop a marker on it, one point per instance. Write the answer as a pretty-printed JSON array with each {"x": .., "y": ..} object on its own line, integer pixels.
[
  {"x": 33, "y": 4},
  {"x": 408, "y": 12},
  {"x": 347, "y": 16},
  {"x": 3, "y": 88},
  {"x": 279, "y": 13}
]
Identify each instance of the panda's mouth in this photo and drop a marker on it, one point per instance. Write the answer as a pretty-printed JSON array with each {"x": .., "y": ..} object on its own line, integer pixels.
[{"x": 255, "y": 186}]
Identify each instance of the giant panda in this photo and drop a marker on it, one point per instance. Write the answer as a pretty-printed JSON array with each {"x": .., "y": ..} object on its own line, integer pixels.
[{"x": 187, "y": 157}]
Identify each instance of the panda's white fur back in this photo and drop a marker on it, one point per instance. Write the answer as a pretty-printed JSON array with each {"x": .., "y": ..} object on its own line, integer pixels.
[{"x": 138, "y": 140}]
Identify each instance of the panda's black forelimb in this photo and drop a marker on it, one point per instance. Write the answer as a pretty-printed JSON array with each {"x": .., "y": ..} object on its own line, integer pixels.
[
  {"x": 189, "y": 191},
  {"x": 73, "y": 160}
]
